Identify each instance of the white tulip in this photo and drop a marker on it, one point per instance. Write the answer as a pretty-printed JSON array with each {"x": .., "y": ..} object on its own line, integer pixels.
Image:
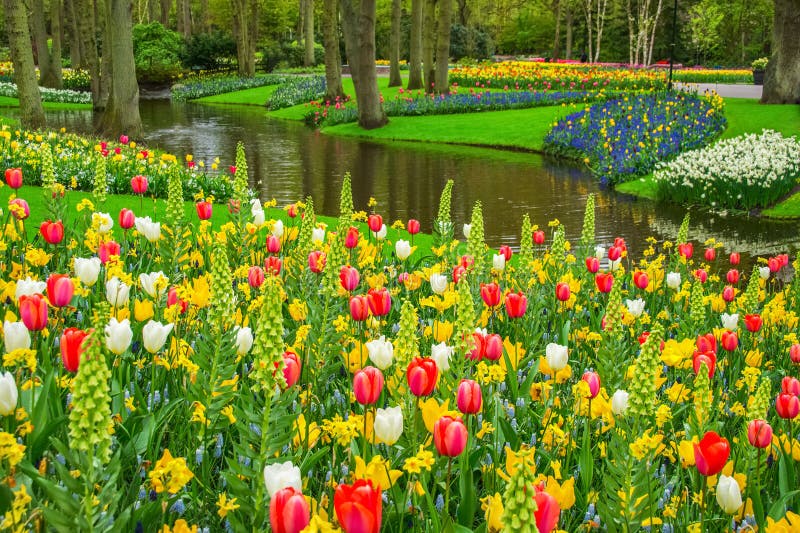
[
  {"x": 381, "y": 352},
  {"x": 674, "y": 280},
  {"x": 499, "y": 262},
  {"x": 117, "y": 292},
  {"x": 438, "y": 283},
  {"x": 279, "y": 476},
  {"x": 467, "y": 230},
  {"x": 730, "y": 322},
  {"x": 255, "y": 206},
  {"x": 244, "y": 341},
  {"x": 613, "y": 266},
  {"x": 87, "y": 269},
  {"x": 441, "y": 353},
  {"x": 104, "y": 222},
  {"x": 619, "y": 402},
  {"x": 729, "y": 495},
  {"x": 599, "y": 251},
  {"x": 155, "y": 335},
  {"x": 635, "y": 307},
  {"x": 381, "y": 233},
  {"x": 8, "y": 394},
  {"x": 151, "y": 283},
  {"x": 557, "y": 356},
  {"x": 151, "y": 230},
  {"x": 318, "y": 235},
  {"x": 277, "y": 228},
  {"x": 259, "y": 217},
  {"x": 402, "y": 249},
  {"x": 29, "y": 287},
  {"x": 388, "y": 424},
  {"x": 118, "y": 335},
  {"x": 763, "y": 272},
  {"x": 16, "y": 336}
]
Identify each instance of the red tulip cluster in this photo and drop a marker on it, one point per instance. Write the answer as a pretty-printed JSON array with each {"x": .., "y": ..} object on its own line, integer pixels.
[
  {"x": 489, "y": 346},
  {"x": 421, "y": 376},
  {"x": 787, "y": 404}
]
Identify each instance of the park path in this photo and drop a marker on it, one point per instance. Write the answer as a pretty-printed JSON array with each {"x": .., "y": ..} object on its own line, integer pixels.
[{"x": 730, "y": 90}]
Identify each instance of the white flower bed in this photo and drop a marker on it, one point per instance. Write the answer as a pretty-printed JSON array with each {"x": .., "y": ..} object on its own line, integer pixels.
[
  {"x": 64, "y": 96},
  {"x": 740, "y": 173}
]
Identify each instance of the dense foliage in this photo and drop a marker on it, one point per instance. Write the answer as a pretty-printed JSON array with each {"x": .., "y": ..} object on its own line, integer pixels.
[
  {"x": 200, "y": 86},
  {"x": 297, "y": 90},
  {"x": 157, "y": 52}
]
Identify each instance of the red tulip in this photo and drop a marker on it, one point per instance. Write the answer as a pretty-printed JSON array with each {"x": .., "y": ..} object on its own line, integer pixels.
[
  {"x": 450, "y": 436},
  {"x": 794, "y": 353},
  {"x": 516, "y": 304},
  {"x": 126, "y": 218},
  {"x": 458, "y": 271},
  {"x": 732, "y": 276},
  {"x": 790, "y": 385},
  {"x": 707, "y": 358},
  {"x": 412, "y": 227},
  {"x": 273, "y": 244},
  {"x": 106, "y": 250},
  {"x": 730, "y": 341},
  {"x": 368, "y": 385},
  {"x": 506, "y": 251},
  {"x": 52, "y": 232},
  {"x": 467, "y": 261},
  {"x": 706, "y": 343},
  {"x": 351, "y": 239},
  {"x": 490, "y": 293},
  {"x": 686, "y": 250},
  {"x": 380, "y": 301},
  {"x": 538, "y": 236},
  {"x": 139, "y": 184},
  {"x": 21, "y": 211},
  {"x": 291, "y": 210},
  {"x": 593, "y": 380},
  {"x": 640, "y": 279},
  {"x": 470, "y": 397},
  {"x": 375, "y": 222},
  {"x": 547, "y": 511},
  {"x": 711, "y": 454},
  {"x": 33, "y": 310},
  {"x": 774, "y": 264},
  {"x": 604, "y": 282},
  {"x": 316, "y": 261},
  {"x": 291, "y": 367},
  {"x": 349, "y": 278},
  {"x": 562, "y": 291},
  {"x": 494, "y": 347},
  {"x": 479, "y": 347},
  {"x": 59, "y": 290},
  {"x": 273, "y": 265},
  {"x": 701, "y": 275},
  {"x": 359, "y": 308},
  {"x": 71, "y": 349},
  {"x": 614, "y": 253},
  {"x": 728, "y": 293},
  {"x": 710, "y": 254},
  {"x": 620, "y": 242},
  {"x": 421, "y": 376},
  {"x": 592, "y": 264},
  {"x": 255, "y": 276},
  {"x": 759, "y": 433},
  {"x": 783, "y": 259},
  {"x": 753, "y": 322},
  {"x": 204, "y": 210},
  {"x": 289, "y": 511},
  {"x": 359, "y": 506},
  {"x": 173, "y": 299},
  {"x": 787, "y": 405},
  {"x": 123, "y": 139},
  {"x": 14, "y": 177},
  {"x": 735, "y": 258}
]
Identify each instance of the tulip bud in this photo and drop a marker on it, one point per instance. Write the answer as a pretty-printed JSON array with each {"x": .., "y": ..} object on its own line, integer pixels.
[
  {"x": 367, "y": 385},
  {"x": 278, "y": 476},
  {"x": 730, "y": 341},
  {"x": 388, "y": 424},
  {"x": 790, "y": 385},
  {"x": 204, "y": 210},
  {"x": 19, "y": 208},
  {"x": 562, "y": 291},
  {"x": 273, "y": 244},
  {"x": 506, "y": 251},
  {"x": 413, "y": 226},
  {"x": 244, "y": 340},
  {"x": 593, "y": 380},
  {"x": 787, "y": 405},
  {"x": 592, "y": 265},
  {"x": 516, "y": 304},
  {"x": 604, "y": 282},
  {"x": 794, "y": 354},
  {"x": 686, "y": 250},
  {"x": 490, "y": 294},
  {"x": 289, "y": 511},
  {"x": 493, "y": 350},
  {"x": 735, "y": 257},
  {"x": 729, "y": 496},
  {"x": 450, "y": 436},
  {"x": 87, "y": 270},
  {"x": 421, "y": 376},
  {"x": 763, "y": 272},
  {"x": 470, "y": 397},
  {"x": 759, "y": 433},
  {"x": 318, "y": 235},
  {"x": 557, "y": 356},
  {"x": 732, "y": 276},
  {"x": 674, "y": 280},
  {"x": 71, "y": 348},
  {"x": 255, "y": 276},
  {"x": 640, "y": 279},
  {"x": 291, "y": 368},
  {"x": 614, "y": 253},
  {"x": 349, "y": 278},
  {"x": 375, "y": 222},
  {"x": 154, "y": 335},
  {"x": 118, "y": 335},
  {"x": 711, "y": 454},
  {"x": 402, "y": 249},
  {"x": 380, "y": 301},
  {"x": 52, "y": 232},
  {"x": 619, "y": 402},
  {"x": 359, "y": 308},
  {"x": 728, "y": 293},
  {"x": 538, "y": 237},
  {"x": 467, "y": 229},
  {"x": 441, "y": 353},
  {"x": 139, "y": 184},
  {"x": 438, "y": 283},
  {"x": 14, "y": 177},
  {"x": 351, "y": 239},
  {"x": 33, "y": 311},
  {"x": 710, "y": 254},
  {"x": 16, "y": 336},
  {"x": 8, "y": 394},
  {"x": 272, "y": 265},
  {"x": 59, "y": 290},
  {"x": 701, "y": 275},
  {"x": 316, "y": 261},
  {"x": 381, "y": 352},
  {"x": 106, "y": 250},
  {"x": 499, "y": 262}
]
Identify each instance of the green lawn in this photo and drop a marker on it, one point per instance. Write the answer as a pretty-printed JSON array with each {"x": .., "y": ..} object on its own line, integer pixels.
[
  {"x": 7, "y": 101},
  {"x": 255, "y": 96}
]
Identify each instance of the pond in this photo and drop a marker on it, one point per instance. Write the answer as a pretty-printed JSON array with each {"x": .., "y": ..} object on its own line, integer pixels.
[{"x": 288, "y": 161}]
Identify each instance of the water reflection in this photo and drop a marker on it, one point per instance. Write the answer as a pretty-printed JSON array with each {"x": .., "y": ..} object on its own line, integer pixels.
[{"x": 288, "y": 161}]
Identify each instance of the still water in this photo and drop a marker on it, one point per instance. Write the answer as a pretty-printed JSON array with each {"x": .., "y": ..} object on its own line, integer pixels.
[{"x": 288, "y": 161}]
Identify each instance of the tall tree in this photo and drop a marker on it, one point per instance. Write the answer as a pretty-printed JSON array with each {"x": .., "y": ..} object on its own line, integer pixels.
[
  {"x": 86, "y": 18},
  {"x": 183, "y": 13},
  {"x": 245, "y": 29},
  {"x": 595, "y": 12},
  {"x": 415, "y": 46},
  {"x": 782, "y": 78},
  {"x": 441, "y": 84},
  {"x": 166, "y": 7},
  {"x": 333, "y": 59},
  {"x": 358, "y": 23},
  {"x": 121, "y": 115},
  {"x": 49, "y": 60},
  {"x": 72, "y": 33},
  {"x": 19, "y": 40},
  {"x": 394, "y": 46},
  {"x": 308, "y": 31},
  {"x": 557, "y": 39},
  {"x": 153, "y": 10},
  {"x": 429, "y": 43}
]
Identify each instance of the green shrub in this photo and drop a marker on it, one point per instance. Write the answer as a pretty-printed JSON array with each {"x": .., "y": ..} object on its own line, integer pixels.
[
  {"x": 157, "y": 52},
  {"x": 208, "y": 51}
]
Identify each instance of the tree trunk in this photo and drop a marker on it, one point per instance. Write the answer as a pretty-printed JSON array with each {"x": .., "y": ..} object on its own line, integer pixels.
[
  {"x": 588, "y": 13},
  {"x": 308, "y": 26},
  {"x": 153, "y": 10},
  {"x": 166, "y": 6},
  {"x": 568, "y": 51},
  {"x": 629, "y": 14},
  {"x": 333, "y": 60},
  {"x": 654, "y": 23},
  {"x": 71, "y": 27},
  {"x": 106, "y": 60},
  {"x": 415, "y": 47},
  {"x": 557, "y": 38},
  {"x": 601, "y": 18},
  {"x": 429, "y": 43},
  {"x": 203, "y": 16},
  {"x": 782, "y": 78},
  {"x": 183, "y": 13},
  {"x": 87, "y": 31},
  {"x": 245, "y": 25},
  {"x": 358, "y": 20},
  {"x": 19, "y": 40},
  {"x": 443, "y": 46},
  {"x": 394, "y": 47},
  {"x": 49, "y": 62},
  {"x": 121, "y": 115}
]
